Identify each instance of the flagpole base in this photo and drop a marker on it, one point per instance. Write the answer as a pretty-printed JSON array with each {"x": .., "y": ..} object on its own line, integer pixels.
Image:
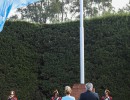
[{"x": 77, "y": 89}]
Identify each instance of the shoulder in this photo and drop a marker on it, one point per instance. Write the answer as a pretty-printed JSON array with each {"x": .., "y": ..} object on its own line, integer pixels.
[
  {"x": 102, "y": 98},
  {"x": 15, "y": 98},
  {"x": 110, "y": 97},
  {"x": 68, "y": 97},
  {"x": 52, "y": 97},
  {"x": 84, "y": 93},
  {"x": 96, "y": 94},
  {"x": 59, "y": 98},
  {"x": 72, "y": 98},
  {"x": 64, "y": 97}
]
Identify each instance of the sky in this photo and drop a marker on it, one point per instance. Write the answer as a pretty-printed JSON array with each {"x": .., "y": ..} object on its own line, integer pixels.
[
  {"x": 119, "y": 3},
  {"x": 116, "y": 3}
]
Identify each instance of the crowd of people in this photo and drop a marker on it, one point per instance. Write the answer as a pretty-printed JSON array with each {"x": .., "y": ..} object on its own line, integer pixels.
[{"x": 89, "y": 94}]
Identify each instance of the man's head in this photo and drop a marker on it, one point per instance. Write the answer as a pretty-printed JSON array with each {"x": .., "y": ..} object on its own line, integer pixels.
[{"x": 89, "y": 86}]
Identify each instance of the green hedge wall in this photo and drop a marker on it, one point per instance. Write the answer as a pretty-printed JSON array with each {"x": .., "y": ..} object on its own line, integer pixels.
[{"x": 36, "y": 59}]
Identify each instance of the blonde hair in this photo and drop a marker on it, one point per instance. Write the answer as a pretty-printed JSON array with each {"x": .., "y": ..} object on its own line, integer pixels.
[
  {"x": 68, "y": 90},
  {"x": 107, "y": 91}
]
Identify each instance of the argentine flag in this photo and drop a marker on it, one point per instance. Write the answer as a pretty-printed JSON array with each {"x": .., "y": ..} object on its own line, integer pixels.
[{"x": 7, "y": 5}]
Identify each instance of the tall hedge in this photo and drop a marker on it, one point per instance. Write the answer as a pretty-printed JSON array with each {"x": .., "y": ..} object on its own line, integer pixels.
[{"x": 36, "y": 59}]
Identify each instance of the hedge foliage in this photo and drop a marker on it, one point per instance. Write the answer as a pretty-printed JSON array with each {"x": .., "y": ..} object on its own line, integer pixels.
[{"x": 36, "y": 59}]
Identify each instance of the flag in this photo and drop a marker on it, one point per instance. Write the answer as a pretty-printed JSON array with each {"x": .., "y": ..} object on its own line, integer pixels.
[
  {"x": 7, "y": 5},
  {"x": 21, "y": 3}
]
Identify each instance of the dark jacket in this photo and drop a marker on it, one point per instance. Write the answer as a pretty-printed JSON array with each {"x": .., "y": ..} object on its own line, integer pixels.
[{"x": 88, "y": 95}]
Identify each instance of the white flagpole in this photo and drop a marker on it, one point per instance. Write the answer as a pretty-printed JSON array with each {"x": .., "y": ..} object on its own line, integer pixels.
[{"x": 81, "y": 44}]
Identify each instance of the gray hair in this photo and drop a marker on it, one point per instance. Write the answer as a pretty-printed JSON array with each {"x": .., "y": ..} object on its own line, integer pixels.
[{"x": 89, "y": 86}]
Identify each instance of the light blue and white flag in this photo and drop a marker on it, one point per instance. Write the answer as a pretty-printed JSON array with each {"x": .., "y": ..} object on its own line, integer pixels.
[{"x": 7, "y": 5}]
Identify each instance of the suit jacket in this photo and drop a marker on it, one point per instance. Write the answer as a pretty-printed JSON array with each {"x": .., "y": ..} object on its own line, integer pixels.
[
  {"x": 88, "y": 95},
  {"x": 96, "y": 94}
]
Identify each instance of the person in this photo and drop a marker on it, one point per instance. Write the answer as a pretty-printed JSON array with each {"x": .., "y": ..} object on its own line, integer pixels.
[
  {"x": 107, "y": 95},
  {"x": 55, "y": 95},
  {"x": 93, "y": 90},
  {"x": 12, "y": 96},
  {"x": 68, "y": 91},
  {"x": 89, "y": 94}
]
